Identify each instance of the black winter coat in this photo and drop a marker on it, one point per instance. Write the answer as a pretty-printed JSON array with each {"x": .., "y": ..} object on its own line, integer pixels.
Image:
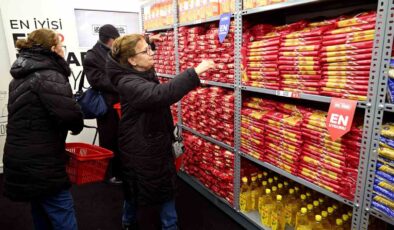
[
  {"x": 94, "y": 67},
  {"x": 145, "y": 133},
  {"x": 41, "y": 110}
]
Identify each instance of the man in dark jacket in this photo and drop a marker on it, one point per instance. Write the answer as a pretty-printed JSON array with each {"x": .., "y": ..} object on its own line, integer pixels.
[{"x": 94, "y": 67}]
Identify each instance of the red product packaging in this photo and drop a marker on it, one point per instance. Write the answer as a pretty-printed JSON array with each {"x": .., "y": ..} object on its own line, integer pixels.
[
  {"x": 298, "y": 59},
  {"x": 300, "y": 48},
  {"x": 348, "y": 35},
  {"x": 351, "y": 29},
  {"x": 346, "y": 53},
  {"x": 345, "y": 73},
  {"x": 346, "y": 68},
  {"x": 369, "y": 19},
  {"x": 356, "y": 57},
  {"x": 348, "y": 40},
  {"x": 352, "y": 46},
  {"x": 300, "y": 54},
  {"x": 299, "y": 68}
]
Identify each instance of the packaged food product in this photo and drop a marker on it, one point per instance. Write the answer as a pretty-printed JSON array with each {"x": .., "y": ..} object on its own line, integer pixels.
[
  {"x": 352, "y": 46},
  {"x": 383, "y": 208}
]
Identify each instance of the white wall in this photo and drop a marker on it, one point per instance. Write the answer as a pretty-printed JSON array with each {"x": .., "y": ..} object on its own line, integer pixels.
[{"x": 54, "y": 10}]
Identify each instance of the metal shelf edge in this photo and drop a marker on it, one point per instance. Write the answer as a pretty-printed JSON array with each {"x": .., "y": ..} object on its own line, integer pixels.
[
  {"x": 241, "y": 218},
  {"x": 220, "y": 84},
  {"x": 210, "y": 139},
  {"x": 299, "y": 180},
  {"x": 276, "y": 6},
  {"x": 288, "y": 94},
  {"x": 161, "y": 28},
  {"x": 201, "y": 21},
  {"x": 382, "y": 216},
  {"x": 165, "y": 75}
]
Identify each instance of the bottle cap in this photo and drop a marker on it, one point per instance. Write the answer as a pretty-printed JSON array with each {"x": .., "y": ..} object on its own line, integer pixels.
[
  {"x": 274, "y": 188},
  {"x": 280, "y": 185},
  {"x": 324, "y": 214},
  {"x": 303, "y": 197},
  {"x": 264, "y": 182},
  {"x": 308, "y": 194},
  {"x": 260, "y": 175},
  {"x": 309, "y": 206},
  {"x": 318, "y": 218},
  {"x": 245, "y": 179},
  {"x": 278, "y": 197},
  {"x": 334, "y": 206},
  {"x": 345, "y": 217},
  {"x": 339, "y": 222},
  {"x": 303, "y": 210},
  {"x": 285, "y": 183},
  {"x": 291, "y": 191},
  {"x": 267, "y": 191},
  {"x": 265, "y": 173},
  {"x": 330, "y": 210},
  {"x": 270, "y": 180},
  {"x": 254, "y": 179},
  {"x": 276, "y": 178},
  {"x": 321, "y": 200},
  {"x": 315, "y": 203},
  {"x": 296, "y": 189}
]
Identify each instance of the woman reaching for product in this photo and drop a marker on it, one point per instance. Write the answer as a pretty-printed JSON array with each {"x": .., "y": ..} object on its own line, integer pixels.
[{"x": 146, "y": 126}]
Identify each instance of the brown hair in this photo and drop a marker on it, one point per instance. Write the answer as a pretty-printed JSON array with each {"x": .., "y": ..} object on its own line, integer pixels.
[
  {"x": 44, "y": 38},
  {"x": 124, "y": 47}
]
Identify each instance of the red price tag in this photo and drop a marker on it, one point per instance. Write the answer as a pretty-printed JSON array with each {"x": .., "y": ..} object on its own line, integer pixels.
[{"x": 340, "y": 117}]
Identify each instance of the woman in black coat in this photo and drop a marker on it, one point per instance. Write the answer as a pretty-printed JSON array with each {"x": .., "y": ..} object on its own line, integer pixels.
[
  {"x": 41, "y": 111},
  {"x": 146, "y": 126}
]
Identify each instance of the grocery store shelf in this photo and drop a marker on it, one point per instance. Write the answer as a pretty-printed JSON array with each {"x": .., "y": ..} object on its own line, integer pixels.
[
  {"x": 210, "y": 139},
  {"x": 277, "y": 6},
  {"x": 169, "y": 27},
  {"x": 389, "y": 108},
  {"x": 165, "y": 75},
  {"x": 255, "y": 217},
  {"x": 221, "y": 203},
  {"x": 381, "y": 216},
  {"x": 298, "y": 180},
  {"x": 310, "y": 97},
  {"x": 220, "y": 84},
  {"x": 201, "y": 21}
]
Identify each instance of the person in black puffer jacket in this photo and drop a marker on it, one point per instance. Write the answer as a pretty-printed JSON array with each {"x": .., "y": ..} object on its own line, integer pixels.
[
  {"x": 146, "y": 126},
  {"x": 41, "y": 111}
]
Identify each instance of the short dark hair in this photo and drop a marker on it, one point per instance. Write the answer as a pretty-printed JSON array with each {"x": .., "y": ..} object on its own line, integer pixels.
[{"x": 107, "y": 32}]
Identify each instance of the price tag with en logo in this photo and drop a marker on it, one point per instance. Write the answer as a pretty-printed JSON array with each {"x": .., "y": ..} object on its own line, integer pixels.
[{"x": 340, "y": 117}]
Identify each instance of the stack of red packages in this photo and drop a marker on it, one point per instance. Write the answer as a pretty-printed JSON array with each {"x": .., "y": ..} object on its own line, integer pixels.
[
  {"x": 252, "y": 126},
  {"x": 283, "y": 139},
  {"x": 346, "y": 57},
  {"x": 188, "y": 45},
  {"x": 262, "y": 58},
  {"x": 210, "y": 111},
  {"x": 299, "y": 58},
  {"x": 174, "y": 107},
  {"x": 165, "y": 54},
  {"x": 204, "y": 44},
  {"x": 210, "y": 164},
  {"x": 329, "y": 164}
]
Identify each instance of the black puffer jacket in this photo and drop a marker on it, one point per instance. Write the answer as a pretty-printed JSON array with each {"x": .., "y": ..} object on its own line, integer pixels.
[
  {"x": 40, "y": 112},
  {"x": 145, "y": 132}
]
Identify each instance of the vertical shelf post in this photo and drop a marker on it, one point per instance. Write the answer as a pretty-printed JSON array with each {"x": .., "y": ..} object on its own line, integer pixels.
[
  {"x": 383, "y": 43},
  {"x": 237, "y": 100}
]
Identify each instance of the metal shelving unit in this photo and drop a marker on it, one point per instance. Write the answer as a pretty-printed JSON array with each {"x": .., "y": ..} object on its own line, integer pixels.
[
  {"x": 169, "y": 27},
  {"x": 375, "y": 107},
  {"x": 202, "y": 21},
  {"x": 220, "y": 84},
  {"x": 309, "y": 97},
  {"x": 210, "y": 139},
  {"x": 282, "y": 5},
  {"x": 298, "y": 179}
]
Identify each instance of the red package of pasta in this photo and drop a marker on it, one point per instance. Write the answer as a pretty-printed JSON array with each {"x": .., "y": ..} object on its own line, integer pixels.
[
  {"x": 348, "y": 40},
  {"x": 348, "y": 35},
  {"x": 300, "y": 54},
  {"x": 301, "y": 72},
  {"x": 351, "y": 46},
  {"x": 345, "y": 73},
  {"x": 263, "y": 53},
  {"x": 298, "y": 59},
  {"x": 299, "y": 68},
  {"x": 297, "y": 63},
  {"x": 346, "y": 52},
  {"x": 346, "y": 68},
  {"x": 301, "y": 77},
  {"x": 369, "y": 19},
  {"x": 356, "y": 57},
  {"x": 351, "y": 29},
  {"x": 294, "y": 42},
  {"x": 301, "y": 48}
]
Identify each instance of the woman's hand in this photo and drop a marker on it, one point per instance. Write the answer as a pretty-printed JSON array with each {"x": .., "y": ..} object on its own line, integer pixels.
[{"x": 204, "y": 66}]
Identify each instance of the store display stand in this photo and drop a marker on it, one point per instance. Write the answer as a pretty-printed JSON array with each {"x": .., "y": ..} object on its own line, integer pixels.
[{"x": 375, "y": 107}]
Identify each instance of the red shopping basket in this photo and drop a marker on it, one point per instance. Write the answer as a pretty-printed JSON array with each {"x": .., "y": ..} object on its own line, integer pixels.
[
  {"x": 88, "y": 163},
  {"x": 178, "y": 161}
]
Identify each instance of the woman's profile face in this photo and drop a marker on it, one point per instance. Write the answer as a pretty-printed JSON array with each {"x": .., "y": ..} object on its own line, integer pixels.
[
  {"x": 59, "y": 47},
  {"x": 143, "y": 58}
]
